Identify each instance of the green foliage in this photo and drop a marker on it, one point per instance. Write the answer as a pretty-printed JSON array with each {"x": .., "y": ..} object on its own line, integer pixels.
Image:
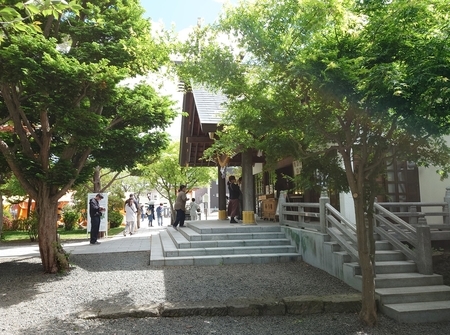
[
  {"x": 166, "y": 175},
  {"x": 366, "y": 79},
  {"x": 20, "y": 17},
  {"x": 7, "y": 223},
  {"x": 70, "y": 217},
  {"x": 115, "y": 202},
  {"x": 76, "y": 234},
  {"x": 30, "y": 225},
  {"x": 330, "y": 77},
  {"x": 115, "y": 218},
  {"x": 63, "y": 109}
]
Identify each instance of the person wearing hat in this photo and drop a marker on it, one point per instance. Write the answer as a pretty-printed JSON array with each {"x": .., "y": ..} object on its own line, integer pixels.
[{"x": 95, "y": 212}]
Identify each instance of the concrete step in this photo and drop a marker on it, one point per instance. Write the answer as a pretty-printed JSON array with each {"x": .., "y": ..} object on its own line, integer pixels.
[
  {"x": 226, "y": 259},
  {"x": 412, "y": 294},
  {"x": 194, "y": 240},
  {"x": 238, "y": 243},
  {"x": 389, "y": 255},
  {"x": 386, "y": 280},
  {"x": 387, "y": 267},
  {"x": 177, "y": 249},
  {"x": 234, "y": 228},
  {"x": 187, "y": 238},
  {"x": 418, "y": 312},
  {"x": 232, "y": 251},
  {"x": 242, "y": 236},
  {"x": 383, "y": 245}
]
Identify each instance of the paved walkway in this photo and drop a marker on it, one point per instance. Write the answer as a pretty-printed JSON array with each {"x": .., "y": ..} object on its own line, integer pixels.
[{"x": 140, "y": 241}]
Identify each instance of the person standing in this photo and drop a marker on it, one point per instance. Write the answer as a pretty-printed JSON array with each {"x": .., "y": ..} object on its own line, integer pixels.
[
  {"x": 150, "y": 214},
  {"x": 241, "y": 198},
  {"x": 180, "y": 207},
  {"x": 143, "y": 214},
  {"x": 233, "y": 203},
  {"x": 136, "y": 203},
  {"x": 130, "y": 216},
  {"x": 194, "y": 209},
  {"x": 95, "y": 212},
  {"x": 159, "y": 214}
]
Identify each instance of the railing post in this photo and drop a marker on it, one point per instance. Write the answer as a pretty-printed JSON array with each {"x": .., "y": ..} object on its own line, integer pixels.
[
  {"x": 447, "y": 208},
  {"x": 413, "y": 220},
  {"x": 323, "y": 200},
  {"x": 423, "y": 251}
]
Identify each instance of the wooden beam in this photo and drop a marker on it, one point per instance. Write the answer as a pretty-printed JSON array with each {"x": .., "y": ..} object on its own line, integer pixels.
[{"x": 199, "y": 139}]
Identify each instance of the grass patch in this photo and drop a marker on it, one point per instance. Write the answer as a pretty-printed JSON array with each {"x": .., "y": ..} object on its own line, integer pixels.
[{"x": 76, "y": 234}]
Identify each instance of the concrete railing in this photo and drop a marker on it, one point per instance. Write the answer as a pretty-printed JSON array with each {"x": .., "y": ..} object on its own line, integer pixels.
[
  {"x": 299, "y": 215},
  {"x": 397, "y": 231},
  {"x": 400, "y": 223}
]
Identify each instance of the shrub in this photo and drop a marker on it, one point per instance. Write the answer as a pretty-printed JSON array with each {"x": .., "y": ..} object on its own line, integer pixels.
[
  {"x": 70, "y": 217},
  {"x": 7, "y": 223},
  {"x": 115, "y": 219},
  {"x": 30, "y": 225}
]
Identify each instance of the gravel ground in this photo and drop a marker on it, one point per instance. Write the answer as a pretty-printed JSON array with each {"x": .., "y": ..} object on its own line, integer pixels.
[{"x": 35, "y": 303}]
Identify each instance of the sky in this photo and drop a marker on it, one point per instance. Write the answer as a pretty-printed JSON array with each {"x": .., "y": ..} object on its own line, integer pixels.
[{"x": 183, "y": 14}]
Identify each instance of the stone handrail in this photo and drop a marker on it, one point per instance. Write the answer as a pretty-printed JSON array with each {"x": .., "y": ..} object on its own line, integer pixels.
[{"x": 397, "y": 231}]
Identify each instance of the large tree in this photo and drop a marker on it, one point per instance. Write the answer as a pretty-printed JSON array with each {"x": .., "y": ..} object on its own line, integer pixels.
[
  {"x": 60, "y": 92},
  {"x": 365, "y": 79}
]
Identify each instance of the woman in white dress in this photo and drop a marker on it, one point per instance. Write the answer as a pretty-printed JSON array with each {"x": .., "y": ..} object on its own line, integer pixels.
[{"x": 130, "y": 216}]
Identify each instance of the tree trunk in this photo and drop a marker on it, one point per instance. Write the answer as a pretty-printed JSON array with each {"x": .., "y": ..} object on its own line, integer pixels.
[
  {"x": 52, "y": 255},
  {"x": 96, "y": 180},
  {"x": 368, "y": 312},
  {"x": 1, "y": 215}
]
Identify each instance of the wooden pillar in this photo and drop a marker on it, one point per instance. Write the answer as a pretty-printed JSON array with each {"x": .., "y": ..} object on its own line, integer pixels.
[
  {"x": 222, "y": 195},
  {"x": 248, "y": 188}
]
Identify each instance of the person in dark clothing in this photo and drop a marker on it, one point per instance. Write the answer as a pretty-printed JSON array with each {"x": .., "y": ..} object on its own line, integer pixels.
[
  {"x": 95, "y": 212},
  {"x": 233, "y": 203},
  {"x": 159, "y": 214},
  {"x": 241, "y": 199},
  {"x": 150, "y": 214},
  {"x": 180, "y": 207}
]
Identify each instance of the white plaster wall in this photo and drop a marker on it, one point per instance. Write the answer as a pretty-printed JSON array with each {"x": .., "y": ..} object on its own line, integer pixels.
[
  {"x": 432, "y": 189},
  {"x": 257, "y": 168},
  {"x": 347, "y": 206}
]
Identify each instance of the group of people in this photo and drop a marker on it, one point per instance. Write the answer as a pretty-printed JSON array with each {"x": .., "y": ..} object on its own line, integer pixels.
[
  {"x": 234, "y": 203},
  {"x": 150, "y": 212},
  {"x": 131, "y": 212}
]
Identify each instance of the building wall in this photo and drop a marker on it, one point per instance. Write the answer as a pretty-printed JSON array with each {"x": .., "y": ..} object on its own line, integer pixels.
[{"x": 432, "y": 189}]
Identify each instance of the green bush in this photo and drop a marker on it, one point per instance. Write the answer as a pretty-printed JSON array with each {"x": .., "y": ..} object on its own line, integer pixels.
[
  {"x": 30, "y": 225},
  {"x": 115, "y": 219},
  {"x": 70, "y": 217},
  {"x": 7, "y": 223}
]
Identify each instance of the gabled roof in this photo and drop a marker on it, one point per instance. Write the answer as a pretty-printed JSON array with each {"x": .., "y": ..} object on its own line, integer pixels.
[
  {"x": 210, "y": 107},
  {"x": 204, "y": 111}
]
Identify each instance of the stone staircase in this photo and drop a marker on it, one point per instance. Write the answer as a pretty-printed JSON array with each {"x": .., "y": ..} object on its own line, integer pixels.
[
  {"x": 221, "y": 243},
  {"x": 403, "y": 294}
]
